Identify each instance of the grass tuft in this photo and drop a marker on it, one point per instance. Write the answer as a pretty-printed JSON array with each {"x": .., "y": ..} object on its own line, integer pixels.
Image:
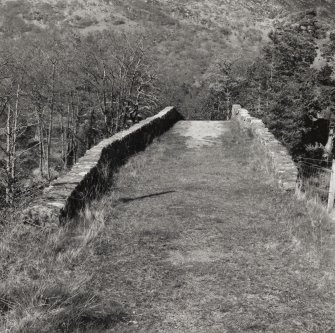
[{"x": 45, "y": 285}]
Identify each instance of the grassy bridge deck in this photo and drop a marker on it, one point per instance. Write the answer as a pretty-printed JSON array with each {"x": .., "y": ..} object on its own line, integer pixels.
[{"x": 198, "y": 239}]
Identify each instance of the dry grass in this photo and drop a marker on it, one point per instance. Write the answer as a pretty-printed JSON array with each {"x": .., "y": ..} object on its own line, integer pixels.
[{"x": 45, "y": 286}]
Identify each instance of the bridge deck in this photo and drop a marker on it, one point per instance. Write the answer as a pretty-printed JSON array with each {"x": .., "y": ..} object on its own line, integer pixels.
[{"x": 199, "y": 240}]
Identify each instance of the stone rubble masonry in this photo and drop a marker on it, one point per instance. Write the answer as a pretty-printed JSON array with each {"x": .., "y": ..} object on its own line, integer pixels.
[
  {"x": 93, "y": 174},
  {"x": 282, "y": 166}
]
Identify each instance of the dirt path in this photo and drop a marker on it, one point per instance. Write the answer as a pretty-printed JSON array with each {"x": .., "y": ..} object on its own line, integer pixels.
[{"x": 199, "y": 240}]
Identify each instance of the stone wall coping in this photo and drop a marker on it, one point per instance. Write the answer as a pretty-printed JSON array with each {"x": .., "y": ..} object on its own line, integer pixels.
[
  {"x": 89, "y": 177},
  {"x": 282, "y": 166}
]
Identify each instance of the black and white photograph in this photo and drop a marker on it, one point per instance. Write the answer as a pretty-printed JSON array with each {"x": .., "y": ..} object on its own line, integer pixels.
[{"x": 167, "y": 166}]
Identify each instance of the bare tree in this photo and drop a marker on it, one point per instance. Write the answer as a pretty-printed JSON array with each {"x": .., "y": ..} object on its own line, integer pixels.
[{"x": 11, "y": 133}]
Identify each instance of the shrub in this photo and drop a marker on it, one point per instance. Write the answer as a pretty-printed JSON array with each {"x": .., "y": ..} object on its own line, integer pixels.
[
  {"x": 226, "y": 31},
  {"x": 83, "y": 22},
  {"x": 119, "y": 22}
]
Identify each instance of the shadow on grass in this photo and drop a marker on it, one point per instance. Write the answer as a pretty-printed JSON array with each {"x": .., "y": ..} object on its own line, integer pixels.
[{"x": 126, "y": 200}]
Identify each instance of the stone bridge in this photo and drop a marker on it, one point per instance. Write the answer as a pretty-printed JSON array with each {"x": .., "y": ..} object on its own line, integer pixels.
[
  {"x": 93, "y": 174},
  {"x": 199, "y": 238},
  {"x": 199, "y": 230}
]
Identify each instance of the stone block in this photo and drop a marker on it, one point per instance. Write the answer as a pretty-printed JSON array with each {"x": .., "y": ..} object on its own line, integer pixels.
[
  {"x": 93, "y": 173},
  {"x": 277, "y": 156}
]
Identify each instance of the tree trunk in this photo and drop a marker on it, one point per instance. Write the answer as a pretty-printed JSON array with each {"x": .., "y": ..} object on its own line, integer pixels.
[
  {"x": 75, "y": 115},
  {"x": 63, "y": 148},
  {"x": 228, "y": 108},
  {"x": 9, "y": 188},
  {"x": 50, "y": 125},
  {"x": 259, "y": 99},
  {"x": 14, "y": 139},
  {"x": 11, "y": 138},
  {"x": 41, "y": 141},
  {"x": 67, "y": 135}
]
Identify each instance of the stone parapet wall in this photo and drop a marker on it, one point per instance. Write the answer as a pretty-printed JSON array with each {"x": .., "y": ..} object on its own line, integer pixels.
[
  {"x": 275, "y": 154},
  {"x": 93, "y": 173}
]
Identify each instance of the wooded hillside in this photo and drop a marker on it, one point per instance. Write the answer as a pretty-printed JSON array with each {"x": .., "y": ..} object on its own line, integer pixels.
[{"x": 74, "y": 72}]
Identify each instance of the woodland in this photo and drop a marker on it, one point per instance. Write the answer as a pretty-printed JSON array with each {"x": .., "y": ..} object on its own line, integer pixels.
[{"x": 67, "y": 81}]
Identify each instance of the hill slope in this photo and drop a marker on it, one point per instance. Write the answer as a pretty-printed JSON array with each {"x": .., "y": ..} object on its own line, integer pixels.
[
  {"x": 188, "y": 33},
  {"x": 103, "y": 14},
  {"x": 237, "y": 19}
]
